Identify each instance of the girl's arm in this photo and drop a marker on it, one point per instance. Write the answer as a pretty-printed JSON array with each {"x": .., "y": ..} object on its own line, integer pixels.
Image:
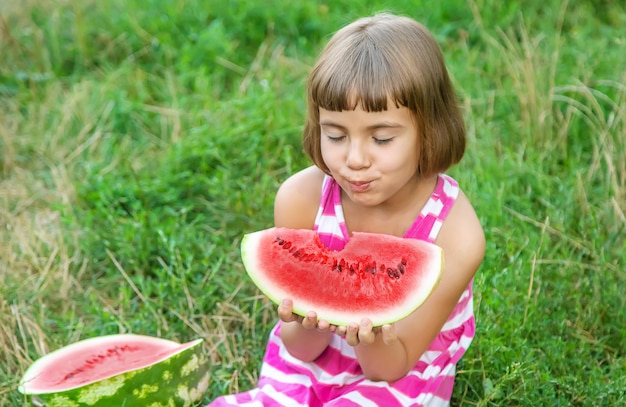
[
  {"x": 295, "y": 207},
  {"x": 393, "y": 353},
  {"x": 304, "y": 338}
]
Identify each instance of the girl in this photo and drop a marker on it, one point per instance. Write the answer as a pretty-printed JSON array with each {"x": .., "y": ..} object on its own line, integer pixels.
[{"x": 383, "y": 125}]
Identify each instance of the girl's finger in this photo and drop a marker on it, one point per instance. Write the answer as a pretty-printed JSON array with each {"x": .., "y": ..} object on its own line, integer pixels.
[
  {"x": 366, "y": 333},
  {"x": 310, "y": 321},
  {"x": 389, "y": 334},
  {"x": 323, "y": 325},
  {"x": 352, "y": 334},
  {"x": 285, "y": 311}
]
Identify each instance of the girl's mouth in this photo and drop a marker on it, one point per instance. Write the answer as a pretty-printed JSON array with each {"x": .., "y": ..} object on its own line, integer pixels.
[{"x": 359, "y": 186}]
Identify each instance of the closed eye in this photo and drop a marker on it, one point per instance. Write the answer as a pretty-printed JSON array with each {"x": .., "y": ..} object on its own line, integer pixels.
[
  {"x": 335, "y": 139},
  {"x": 382, "y": 140}
]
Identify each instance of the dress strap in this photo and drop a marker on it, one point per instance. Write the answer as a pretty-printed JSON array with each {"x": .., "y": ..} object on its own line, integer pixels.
[
  {"x": 330, "y": 224},
  {"x": 431, "y": 218}
]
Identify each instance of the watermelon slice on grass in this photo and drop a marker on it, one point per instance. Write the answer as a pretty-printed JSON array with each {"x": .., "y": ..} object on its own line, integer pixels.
[
  {"x": 381, "y": 277},
  {"x": 119, "y": 370}
]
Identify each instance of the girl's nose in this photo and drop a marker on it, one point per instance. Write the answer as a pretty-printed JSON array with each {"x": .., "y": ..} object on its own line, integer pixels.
[{"x": 356, "y": 157}]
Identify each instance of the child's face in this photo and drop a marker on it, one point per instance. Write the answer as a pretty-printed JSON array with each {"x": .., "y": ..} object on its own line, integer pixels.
[{"x": 372, "y": 155}]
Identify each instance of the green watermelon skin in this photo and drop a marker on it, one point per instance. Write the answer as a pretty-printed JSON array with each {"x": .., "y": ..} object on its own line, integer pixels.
[{"x": 180, "y": 380}]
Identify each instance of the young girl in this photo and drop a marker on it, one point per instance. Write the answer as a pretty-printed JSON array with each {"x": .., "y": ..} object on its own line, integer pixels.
[{"x": 383, "y": 126}]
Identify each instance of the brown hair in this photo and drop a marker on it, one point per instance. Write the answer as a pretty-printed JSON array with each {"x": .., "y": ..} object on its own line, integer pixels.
[{"x": 388, "y": 57}]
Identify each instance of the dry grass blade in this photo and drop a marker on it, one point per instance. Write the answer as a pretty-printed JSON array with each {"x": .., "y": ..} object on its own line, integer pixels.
[{"x": 606, "y": 118}]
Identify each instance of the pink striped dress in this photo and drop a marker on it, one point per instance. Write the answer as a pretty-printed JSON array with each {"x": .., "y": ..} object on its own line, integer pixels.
[{"x": 335, "y": 378}]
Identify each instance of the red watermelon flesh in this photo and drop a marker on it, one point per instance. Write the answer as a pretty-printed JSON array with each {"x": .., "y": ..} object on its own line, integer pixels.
[{"x": 381, "y": 277}]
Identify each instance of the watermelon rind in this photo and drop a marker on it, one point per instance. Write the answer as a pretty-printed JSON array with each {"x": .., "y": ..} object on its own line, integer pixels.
[
  {"x": 341, "y": 316},
  {"x": 180, "y": 378}
]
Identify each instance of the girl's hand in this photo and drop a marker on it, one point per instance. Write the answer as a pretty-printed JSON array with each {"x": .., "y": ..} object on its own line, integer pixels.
[
  {"x": 354, "y": 333},
  {"x": 309, "y": 322},
  {"x": 365, "y": 333}
]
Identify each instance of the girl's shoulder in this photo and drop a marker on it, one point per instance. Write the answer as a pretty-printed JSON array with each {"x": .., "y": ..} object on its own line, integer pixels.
[
  {"x": 298, "y": 199},
  {"x": 462, "y": 235}
]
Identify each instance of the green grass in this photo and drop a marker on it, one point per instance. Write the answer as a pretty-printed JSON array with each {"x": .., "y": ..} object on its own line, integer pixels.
[{"x": 140, "y": 140}]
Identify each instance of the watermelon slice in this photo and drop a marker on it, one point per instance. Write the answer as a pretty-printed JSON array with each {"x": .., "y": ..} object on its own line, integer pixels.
[
  {"x": 381, "y": 277},
  {"x": 119, "y": 370}
]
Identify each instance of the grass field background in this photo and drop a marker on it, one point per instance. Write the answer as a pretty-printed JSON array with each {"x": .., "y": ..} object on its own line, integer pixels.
[{"x": 139, "y": 140}]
